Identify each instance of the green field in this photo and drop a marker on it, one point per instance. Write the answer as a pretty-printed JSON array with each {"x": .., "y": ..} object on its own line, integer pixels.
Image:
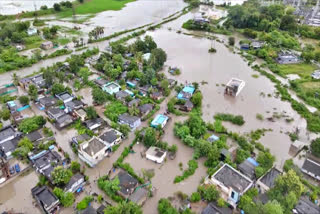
[
  {"x": 95, "y": 6},
  {"x": 303, "y": 70}
]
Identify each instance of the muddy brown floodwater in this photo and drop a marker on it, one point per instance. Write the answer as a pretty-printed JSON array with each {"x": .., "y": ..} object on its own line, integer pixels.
[{"x": 191, "y": 55}]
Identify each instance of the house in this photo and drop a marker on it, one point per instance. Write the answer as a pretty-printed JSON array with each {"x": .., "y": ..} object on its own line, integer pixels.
[
  {"x": 213, "y": 208},
  {"x": 73, "y": 105},
  {"x": 296, "y": 147},
  {"x": 256, "y": 44},
  {"x": 231, "y": 183},
  {"x": 111, "y": 137},
  {"x": 46, "y": 45},
  {"x": 247, "y": 167},
  {"x": 94, "y": 123},
  {"x": 88, "y": 210},
  {"x": 100, "y": 82},
  {"x": 80, "y": 139},
  {"x": 267, "y": 181},
  {"x": 145, "y": 109},
  {"x": 35, "y": 136},
  {"x": 305, "y": 206},
  {"x": 63, "y": 121},
  {"x": 111, "y": 88},
  {"x": 224, "y": 154},
  {"x": 134, "y": 102},
  {"x": 132, "y": 121},
  {"x": 15, "y": 106},
  {"x": 46, "y": 200},
  {"x": 32, "y": 31},
  {"x": 17, "y": 117},
  {"x": 65, "y": 97},
  {"x": 127, "y": 184},
  {"x": 81, "y": 113},
  {"x": 200, "y": 20},
  {"x": 287, "y": 58},
  {"x": 55, "y": 112},
  {"x": 20, "y": 47},
  {"x": 132, "y": 83},
  {"x": 172, "y": 83},
  {"x": 159, "y": 121},
  {"x": 75, "y": 184},
  {"x": 144, "y": 90},
  {"x": 38, "y": 81},
  {"x": 8, "y": 147},
  {"x": 139, "y": 196},
  {"x": 213, "y": 138},
  {"x": 45, "y": 161},
  {"x": 316, "y": 74},
  {"x": 187, "y": 106},
  {"x": 186, "y": 93},
  {"x": 311, "y": 168},
  {"x": 122, "y": 95},
  {"x": 8, "y": 133},
  {"x": 156, "y": 154},
  {"x": 93, "y": 151},
  {"x": 234, "y": 87},
  {"x": 47, "y": 102},
  {"x": 157, "y": 95}
]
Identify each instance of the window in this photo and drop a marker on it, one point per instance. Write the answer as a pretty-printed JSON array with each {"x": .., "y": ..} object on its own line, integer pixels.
[{"x": 232, "y": 194}]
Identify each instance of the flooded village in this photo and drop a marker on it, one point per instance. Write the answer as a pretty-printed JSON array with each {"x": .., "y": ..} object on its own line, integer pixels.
[{"x": 176, "y": 109}]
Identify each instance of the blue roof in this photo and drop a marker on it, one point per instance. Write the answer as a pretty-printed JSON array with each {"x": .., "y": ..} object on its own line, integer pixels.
[
  {"x": 253, "y": 161},
  {"x": 187, "y": 89},
  {"x": 158, "y": 120},
  {"x": 11, "y": 103},
  {"x": 129, "y": 92},
  {"x": 131, "y": 84}
]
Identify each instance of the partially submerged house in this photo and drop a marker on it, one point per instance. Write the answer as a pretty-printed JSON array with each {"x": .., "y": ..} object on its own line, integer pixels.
[
  {"x": 187, "y": 106},
  {"x": 64, "y": 121},
  {"x": 159, "y": 121},
  {"x": 46, "y": 45},
  {"x": 132, "y": 121},
  {"x": 8, "y": 133},
  {"x": 134, "y": 102},
  {"x": 111, "y": 137},
  {"x": 81, "y": 114},
  {"x": 157, "y": 95},
  {"x": 156, "y": 154},
  {"x": 75, "y": 184},
  {"x": 80, "y": 139},
  {"x": 296, "y": 147},
  {"x": 145, "y": 109},
  {"x": 213, "y": 138},
  {"x": 122, "y": 95},
  {"x": 45, "y": 199},
  {"x": 312, "y": 168},
  {"x": 111, "y": 88},
  {"x": 316, "y": 74},
  {"x": 127, "y": 184},
  {"x": 186, "y": 92},
  {"x": 286, "y": 57},
  {"x": 267, "y": 181},
  {"x": 73, "y": 105},
  {"x": 55, "y": 112},
  {"x": 231, "y": 183},
  {"x": 9, "y": 139},
  {"x": 93, "y": 151},
  {"x": 248, "y": 168},
  {"x": 234, "y": 87},
  {"x": 100, "y": 82},
  {"x": 139, "y": 196},
  {"x": 32, "y": 31}
]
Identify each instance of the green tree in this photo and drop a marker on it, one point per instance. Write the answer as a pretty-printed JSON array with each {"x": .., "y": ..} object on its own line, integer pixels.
[
  {"x": 91, "y": 112},
  {"x": 24, "y": 100},
  {"x": 57, "y": 88},
  {"x": 82, "y": 205},
  {"x": 196, "y": 99},
  {"x": 272, "y": 207},
  {"x": 75, "y": 166},
  {"x": 150, "y": 137},
  {"x": 66, "y": 198},
  {"x": 124, "y": 208},
  {"x": 231, "y": 41},
  {"x": 61, "y": 176},
  {"x": 99, "y": 96},
  {"x": 208, "y": 192},
  {"x": 57, "y": 7},
  {"x": 5, "y": 114},
  {"x": 165, "y": 207},
  {"x": 124, "y": 129},
  {"x": 158, "y": 58},
  {"x": 196, "y": 125},
  {"x": 33, "y": 92},
  {"x": 15, "y": 79}
]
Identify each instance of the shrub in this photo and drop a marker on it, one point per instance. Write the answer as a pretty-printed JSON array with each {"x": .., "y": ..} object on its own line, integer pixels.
[
  {"x": 195, "y": 197},
  {"x": 235, "y": 119},
  {"x": 84, "y": 203}
]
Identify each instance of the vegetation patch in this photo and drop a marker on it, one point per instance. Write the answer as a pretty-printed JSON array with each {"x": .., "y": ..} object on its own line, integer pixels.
[{"x": 235, "y": 119}]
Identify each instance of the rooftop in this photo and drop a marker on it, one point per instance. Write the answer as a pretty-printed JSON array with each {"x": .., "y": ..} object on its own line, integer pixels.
[
  {"x": 127, "y": 182},
  {"x": 82, "y": 138},
  {"x": 7, "y": 132},
  {"x": 44, "y": 158},
  {"x": 134, "y": 102},
  {"x": 305, "y": 206},
  {"x": 138, "y": 195},
  {"x": 269, "y": 178},
  {"x": 157, "y": 152},
  {"x": 311, "y": 166},
  {"x": 93, "y": 146},
  {"x": 128, "y": 118},
  {"x": 212, "y": 208},
  {"x": 109, "y": 136},
  {"x": 145, "y": 108},
  {"x": 44, "y": 195},
  {"x": 34, "y": 136},
  {"x": 122, "y": 94},
  {"x": 92, "y": 122},
  {"x": 55, "y": 111},
  {"x": 159, "y": 120},
  {"x": 230, "y": 177},
  {"x": 75, "y": 178},
  {"x": 248, "y": 167},
  {"x": 47, "y": 101},
  {"x": 64, "y": 96}
]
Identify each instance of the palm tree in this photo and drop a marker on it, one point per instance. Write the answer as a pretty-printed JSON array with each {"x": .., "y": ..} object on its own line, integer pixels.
[{"x": 134, "y": 111}]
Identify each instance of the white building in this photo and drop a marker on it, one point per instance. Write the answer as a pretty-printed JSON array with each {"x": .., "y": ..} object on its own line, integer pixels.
[
  {"x": 234, "y": 87},
  {"x": 156, "y": 154},
  {"x": 93, "y": 151}
]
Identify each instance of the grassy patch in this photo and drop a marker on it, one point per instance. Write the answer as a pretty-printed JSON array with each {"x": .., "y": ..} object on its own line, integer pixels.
[
  {"x": 33, "y": 42},
  {"x": 63, "y": 41},
  {"x": 96, "y": 6},
  {"x": 303, "y": 69}
]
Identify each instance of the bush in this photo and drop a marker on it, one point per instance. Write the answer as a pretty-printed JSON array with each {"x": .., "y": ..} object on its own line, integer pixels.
[
  {"x": 235, "y": 119},
  {"x": 208, "y": 192},
  {"x": 315, "y": 147},
  {"x": 195, "y": 197},
  {"x": 84, "y": 203},
  {"x": 31, "y": 124},
  {"x": 193, "y": 165},
  {"x": 231, "y": 41}
]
